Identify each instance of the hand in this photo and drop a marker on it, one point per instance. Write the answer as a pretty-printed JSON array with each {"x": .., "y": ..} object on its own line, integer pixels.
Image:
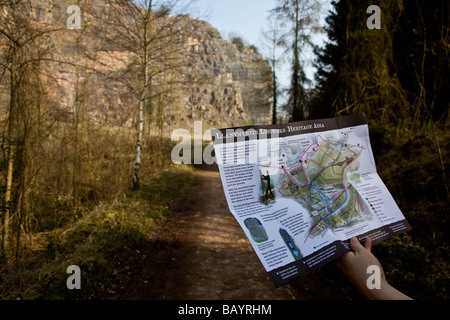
[{"x": 354, "y": 265}]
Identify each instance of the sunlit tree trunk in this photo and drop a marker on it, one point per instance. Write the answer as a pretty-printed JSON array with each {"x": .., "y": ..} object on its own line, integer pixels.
[{"x": 144, "y": 96}]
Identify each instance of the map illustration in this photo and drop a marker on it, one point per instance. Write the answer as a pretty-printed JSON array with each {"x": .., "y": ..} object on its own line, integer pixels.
[{"x": 317, "y": 177}]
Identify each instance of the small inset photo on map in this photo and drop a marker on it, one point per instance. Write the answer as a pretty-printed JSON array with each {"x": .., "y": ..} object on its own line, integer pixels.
[
  {"x": 257, "y": 230},
  {"x": 267, "y": 185}
]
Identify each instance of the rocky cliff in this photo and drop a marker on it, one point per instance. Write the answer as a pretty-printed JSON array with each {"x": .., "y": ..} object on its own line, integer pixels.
[
  {"x": 209, "y": 79},
  {"x": 239, "y": 83}
]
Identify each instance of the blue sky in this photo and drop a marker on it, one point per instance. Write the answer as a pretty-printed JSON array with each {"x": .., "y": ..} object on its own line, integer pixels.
[{"x": 245, "y": 17}]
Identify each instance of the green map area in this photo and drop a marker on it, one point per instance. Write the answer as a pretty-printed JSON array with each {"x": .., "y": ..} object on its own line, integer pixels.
[{"x": 318, "y": 180}]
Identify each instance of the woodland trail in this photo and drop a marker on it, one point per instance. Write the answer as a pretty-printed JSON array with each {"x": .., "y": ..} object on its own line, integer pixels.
[{"x": 198, "y": 251}]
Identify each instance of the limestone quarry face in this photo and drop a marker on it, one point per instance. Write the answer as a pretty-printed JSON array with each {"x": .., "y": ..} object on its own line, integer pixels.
[
  {"x": 206, "y": 78},
  {"x": 239, "y": 83}
]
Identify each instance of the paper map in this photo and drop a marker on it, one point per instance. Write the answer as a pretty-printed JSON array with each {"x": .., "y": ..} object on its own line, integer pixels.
[{"x": 300, "y": 191}]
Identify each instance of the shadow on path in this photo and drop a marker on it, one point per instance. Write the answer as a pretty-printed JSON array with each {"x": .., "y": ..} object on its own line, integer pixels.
[{"x": 198, "y": 251}]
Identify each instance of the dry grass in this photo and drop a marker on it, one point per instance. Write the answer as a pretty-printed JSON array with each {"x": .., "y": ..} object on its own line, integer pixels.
[{"x": 99, "y": 237}]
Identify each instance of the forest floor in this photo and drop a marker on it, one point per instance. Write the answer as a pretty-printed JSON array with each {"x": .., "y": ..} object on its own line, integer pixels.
[{"x": 198, "y": 251}]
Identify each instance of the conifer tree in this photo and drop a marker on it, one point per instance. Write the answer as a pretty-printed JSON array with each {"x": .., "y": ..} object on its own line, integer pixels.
[
  {"x": 300, "y": 20},
  {"x": 355, "y": 69}
]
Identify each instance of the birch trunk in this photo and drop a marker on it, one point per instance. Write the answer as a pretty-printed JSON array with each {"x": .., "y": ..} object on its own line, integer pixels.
[
  {"x": 143, "y": 98},
  {"x": 137, "y": 163},
  {"x": 7, "y": 213},
  {"x": 9, "y": 175}
]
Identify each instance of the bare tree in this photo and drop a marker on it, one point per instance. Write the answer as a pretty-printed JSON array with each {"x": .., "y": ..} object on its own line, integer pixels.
[
  {"x": 272, "y": 37},
  {"x": 144, "y": 29},
  {"x": 23, "y": 45}
]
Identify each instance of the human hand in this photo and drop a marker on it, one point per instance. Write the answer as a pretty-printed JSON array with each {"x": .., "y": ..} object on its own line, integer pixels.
[{"x": 355, "y": 264}]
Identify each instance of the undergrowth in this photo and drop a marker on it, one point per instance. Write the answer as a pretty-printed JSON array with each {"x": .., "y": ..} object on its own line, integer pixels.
[
  {"x": 100, "y": 242},
  {"x": 416, "y": 174}
]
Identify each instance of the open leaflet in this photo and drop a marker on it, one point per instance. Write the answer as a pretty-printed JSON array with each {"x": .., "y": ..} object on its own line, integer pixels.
[{"x": 301, "y": 190}]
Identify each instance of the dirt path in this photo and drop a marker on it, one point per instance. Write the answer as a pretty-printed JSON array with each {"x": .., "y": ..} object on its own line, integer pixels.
[{"x": 198, "y": 252}]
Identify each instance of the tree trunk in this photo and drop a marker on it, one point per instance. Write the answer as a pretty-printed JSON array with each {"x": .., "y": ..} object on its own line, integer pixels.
[
  {"x": 11, "y": 151},
  {"x": 137, "y": 163},
  {"x": 144, "y": 96},
  {"x": 7, "y": 212},
  {"x": 297, "y": 112},
  {"x": 274, "y": 102}
]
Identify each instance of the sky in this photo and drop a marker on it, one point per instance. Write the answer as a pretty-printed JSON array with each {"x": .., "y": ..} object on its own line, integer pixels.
[{"x": 247, "y": 19}]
